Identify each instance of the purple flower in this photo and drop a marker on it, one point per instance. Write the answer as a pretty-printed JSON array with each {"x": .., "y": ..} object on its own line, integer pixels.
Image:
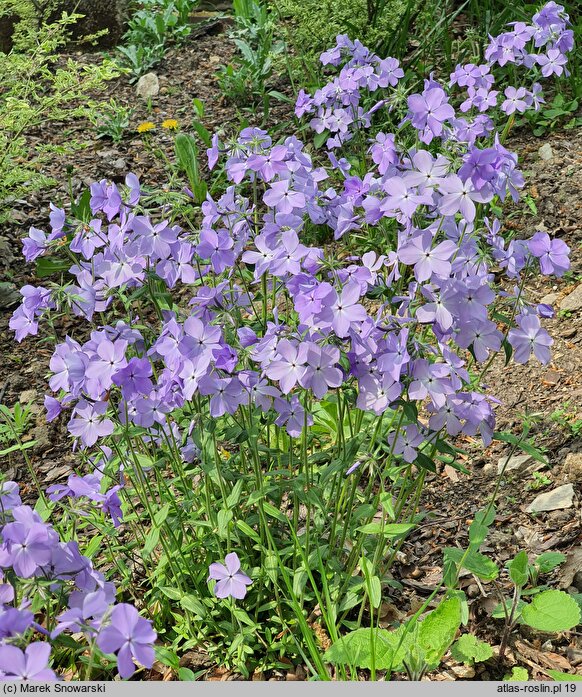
[
  {"x": 231, "y": 581},
  {"x": 406, "y": 443},
  {"x": 35, "y": 244},
  {"x": 460, "y": 196},
  {"x": 288, "y": 366},
  {"x": 528, "y": 337},
  {"x": 31, "y": 664},
  {"x": 346, "y": 309},
  {"x": 429, "y": 111},
  {"x": 427, "y": 260},
  {"x": 88, "y": 422},
  {"x": 281, "y": 197},
  {"x": 292, "y": 415},
  {"x": 131, "y": 637},
  {"x": 553, "y": 254},
  {"x": 320, "y": 372},
  {"x": 516, "y": 100},
  {"x": 552, "y": 63},
  {"x": 27, "y": 543},
  {"x": 216, "y": 246}
]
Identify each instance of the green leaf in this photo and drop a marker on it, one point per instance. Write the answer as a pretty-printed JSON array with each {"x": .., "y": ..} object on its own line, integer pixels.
[
  {"x": 223, "y": 519},
  {"x": 193, "y": 604},
  {"x": 564, "y": 677},
  {"x": 552, "y": 611},
  {"x": 469, "y": 649},
  {"x": 518, "y": 674},
  {"x": 47, "y": 266},
  {"x": 152, "y": 539},
  {"x": 476, "y": 563},
  {"x": 389, "y": 530},
  {"x": 167, "y": 657},
  {"x": 354, "y": 649},
  {"x": 320, "y": 139},
  {"x": 548, "y": 561},
  {"x": 425, "y": 462},
  {"x": 375, "y": 592},
  {"x": 171, "y": 593},
  {"x": 438, "y": 630},
  {"x": 517, "y": 568}
]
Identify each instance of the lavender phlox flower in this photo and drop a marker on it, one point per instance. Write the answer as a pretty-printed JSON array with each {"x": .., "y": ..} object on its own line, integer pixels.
[
  {"x": 430, "y": 379},
  {"x": 231, "y": 581},
  {"x": 460, "y": 196},
  {"x": 552, "y": 254},
  {"x": 376, "y": 393},
  {"x": 529, "y": 337},
  {"x": 289, "y": 364},
  {"x": 347, "y": 310},
  {"x": 89, "y": 422},
  {"x": 406, "y": 442},
  {"x": 30, "y": 664},
  {"x": 292, "y": 415},
  {"x": 429, "y": 111},
  {"x": 426, "y": 259},
  {"x": 129, "y": 636}
]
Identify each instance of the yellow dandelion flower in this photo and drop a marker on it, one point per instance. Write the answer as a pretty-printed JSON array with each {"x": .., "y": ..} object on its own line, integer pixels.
[
  {"x": 170, "y": 124},
  {"x": 225, "y": 454},
  {"x": 145, "y": 127}
]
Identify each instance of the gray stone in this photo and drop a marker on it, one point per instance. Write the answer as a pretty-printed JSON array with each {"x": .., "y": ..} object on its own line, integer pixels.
[
  {"x": 119, "y": 163},
  {"x": 549, "y": 299},
  {"x": 516, "y": 463},
  {"x": 546, "y": 153},
  {"x": 555, "y": 500},
  {"x": 573, "y": 301},
  {"x": 148, "y": 86},
  {"x": 9, "y": 296}
]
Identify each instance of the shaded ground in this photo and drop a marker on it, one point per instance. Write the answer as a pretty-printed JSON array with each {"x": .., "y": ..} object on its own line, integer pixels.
[{"x": 553, "y": 393}]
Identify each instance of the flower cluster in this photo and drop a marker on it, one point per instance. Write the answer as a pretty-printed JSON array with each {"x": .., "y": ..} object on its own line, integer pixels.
[
  {"x": 435, "y": 279},
  {"x": 31, "y": 552}
]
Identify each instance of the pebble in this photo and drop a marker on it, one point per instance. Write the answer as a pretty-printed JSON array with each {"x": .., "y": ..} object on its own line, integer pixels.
[
  {"x": 573, "y": 467},
  {"x": 546, "y": 153},
  {"x": 148, "y": 86},
  {"x": 573, "y": 301},
  {"x": 559, "y": 498},
  {"x": 549, "y": 299},
  {"x": 9, "y": 296}
]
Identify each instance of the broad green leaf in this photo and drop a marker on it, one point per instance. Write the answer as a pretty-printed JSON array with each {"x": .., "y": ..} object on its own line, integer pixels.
[
  {"x": 191, "y": 603},
  {"x": 171, "y": 593},
  {"x": 552, "y": 611},
  {"x": 438, "y": 630},
  {"x": 375, "y": 591},
  {"x": 476, "y": 563},
  {"x": 223, "y": 519},
  {"x": 151, "y": 540},
  {"x": 517, "y": 568},
  {"x": 47, "y": 266},
  {"x": 469, "y": 649},
  {"x": 354, "y": 649},
  {"x": 390, "y": 530},
  {"x": 564, "y": 677},
  {"x": 518, "y": 674},
  {"x": 548, "y": 561}
]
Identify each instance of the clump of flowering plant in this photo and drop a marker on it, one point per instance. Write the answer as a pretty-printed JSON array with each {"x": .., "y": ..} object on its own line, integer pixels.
[
  {"x": 48, "y": 588},
  {"x": 331, "y": 377}
]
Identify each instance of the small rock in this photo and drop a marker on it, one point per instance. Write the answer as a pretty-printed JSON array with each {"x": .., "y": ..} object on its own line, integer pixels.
[
  {"x": 9, "y": 296},
  {"x": 463, "y": 672},
  {"x": 147, "y": 86},
  {"x": 516, "y": 463},
  {"x": 573, "y": 301},
  {"x": 574, "y": 655},
  {"x": 559, "y": 498},
  {"x": 573, "y": 467},
  {"x": 27, "y": 396},
  {"x": 473, "y": 590},
  {"x": 551, "y": 377},
  {"x": 577, "y": 582},
  {"x": 119, "y": 163},
  {"x": 549, "y": 299},
  {"x": 546, "y": 153}
]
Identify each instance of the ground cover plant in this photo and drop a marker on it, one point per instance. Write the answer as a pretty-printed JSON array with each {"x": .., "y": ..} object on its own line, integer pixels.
[{"x": 255, "y": 406}]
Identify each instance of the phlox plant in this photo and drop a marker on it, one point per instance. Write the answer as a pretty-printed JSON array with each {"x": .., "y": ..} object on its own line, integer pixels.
[{"x": 251, "y": 409}]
